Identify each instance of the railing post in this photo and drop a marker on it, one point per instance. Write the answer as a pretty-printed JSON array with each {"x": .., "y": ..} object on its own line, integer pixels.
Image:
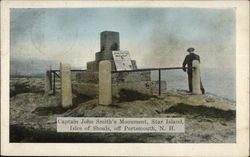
[
  {"x": 105, "y": 83},
  {"x": 159, "y": 82},
  {"x": 54, "y": 83},
  {"x": 50, "y": 79},
  {"x": 196, "y": 77}
]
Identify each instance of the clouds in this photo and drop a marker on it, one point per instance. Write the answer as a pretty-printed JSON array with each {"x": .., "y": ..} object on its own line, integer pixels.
[{"x": 154, "y": 36}]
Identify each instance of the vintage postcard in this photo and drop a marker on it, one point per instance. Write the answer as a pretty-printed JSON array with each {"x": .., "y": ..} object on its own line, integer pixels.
[{"x": 152, "y": 78}]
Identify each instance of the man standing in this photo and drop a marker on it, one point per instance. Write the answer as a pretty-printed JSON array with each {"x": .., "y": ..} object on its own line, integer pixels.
[{"x": 188, "y": 61}]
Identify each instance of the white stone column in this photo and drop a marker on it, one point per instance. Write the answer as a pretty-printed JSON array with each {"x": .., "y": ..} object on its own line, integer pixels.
[
  {"x": 105, "y": 83},
  {"x": 196, "y": 77},
  {"x": 47, "y": 82},
  {"x": 66, "y": 88}
]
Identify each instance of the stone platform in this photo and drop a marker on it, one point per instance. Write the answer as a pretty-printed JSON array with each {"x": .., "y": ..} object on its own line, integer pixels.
[
  {"x": 86, "y": 83},
  {"x": 92, "y": 77},
  {"x": 145, "y": 87}
]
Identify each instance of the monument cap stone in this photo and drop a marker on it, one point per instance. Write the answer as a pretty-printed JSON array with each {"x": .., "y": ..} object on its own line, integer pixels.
[{"x": 110, "y": 41}]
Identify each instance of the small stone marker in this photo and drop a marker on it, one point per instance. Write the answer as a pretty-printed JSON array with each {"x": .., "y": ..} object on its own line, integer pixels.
[
  {"x": 47, "y": 83},
  {"x": 66, "y": 89},
  {"x": 196, "y": 77},
  {"x": 105, "y": 83}
]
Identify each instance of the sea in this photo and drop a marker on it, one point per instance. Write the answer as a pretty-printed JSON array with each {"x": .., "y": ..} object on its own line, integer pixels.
[{"x": 218, "y": 82}]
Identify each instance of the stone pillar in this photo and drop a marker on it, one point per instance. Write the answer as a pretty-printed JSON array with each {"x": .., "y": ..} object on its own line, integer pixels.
[
  {"x": 47, "y": 83},
  {"x": 66, "y": 89},
  {"x": 196, "y": 77},
  {"x": 105, "y": 83}
]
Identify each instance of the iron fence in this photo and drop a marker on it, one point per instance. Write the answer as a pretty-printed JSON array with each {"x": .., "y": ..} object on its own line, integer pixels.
[{"x": 54, "y": 74}]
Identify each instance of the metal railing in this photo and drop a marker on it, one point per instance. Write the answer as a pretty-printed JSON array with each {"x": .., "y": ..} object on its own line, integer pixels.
[
  {"x": 154, "y": 69},
  {"x": 54, "y": 73}
]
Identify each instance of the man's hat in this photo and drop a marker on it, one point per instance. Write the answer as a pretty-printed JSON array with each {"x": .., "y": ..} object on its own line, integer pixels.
[{"x": 190, "y": 49}]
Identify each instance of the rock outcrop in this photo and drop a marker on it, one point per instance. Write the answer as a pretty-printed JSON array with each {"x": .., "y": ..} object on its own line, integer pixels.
[{"x": 209, "y": 119}]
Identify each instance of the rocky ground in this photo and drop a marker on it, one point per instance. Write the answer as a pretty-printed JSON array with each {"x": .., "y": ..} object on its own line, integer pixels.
[{"x": 209, "y": 119}]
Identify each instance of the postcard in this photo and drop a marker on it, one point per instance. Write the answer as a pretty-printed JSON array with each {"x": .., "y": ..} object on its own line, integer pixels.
[{"x": 134, "y": 78}]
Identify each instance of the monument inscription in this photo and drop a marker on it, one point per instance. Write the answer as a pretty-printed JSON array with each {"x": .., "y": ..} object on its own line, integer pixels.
[{"x": 122, "y": 60}]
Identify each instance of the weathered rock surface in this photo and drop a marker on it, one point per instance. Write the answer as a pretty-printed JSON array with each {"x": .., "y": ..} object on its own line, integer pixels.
[
  {"x": 208, "y": 118},
  {"x": 25, "y": 85}
]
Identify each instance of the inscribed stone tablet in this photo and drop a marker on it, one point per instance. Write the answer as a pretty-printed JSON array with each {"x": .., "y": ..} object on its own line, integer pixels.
[{"x": 122, "y": 60}]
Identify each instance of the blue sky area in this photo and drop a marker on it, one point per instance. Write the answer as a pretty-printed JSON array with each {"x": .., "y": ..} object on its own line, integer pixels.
[{"x": 155, "y": 37}]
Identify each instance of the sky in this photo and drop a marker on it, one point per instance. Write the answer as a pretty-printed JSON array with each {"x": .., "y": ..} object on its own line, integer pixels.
[{"x": 155, "y": 37}]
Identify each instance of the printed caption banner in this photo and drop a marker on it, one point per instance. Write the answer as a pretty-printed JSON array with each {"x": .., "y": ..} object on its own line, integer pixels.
[{"x": 120, "y": 125}]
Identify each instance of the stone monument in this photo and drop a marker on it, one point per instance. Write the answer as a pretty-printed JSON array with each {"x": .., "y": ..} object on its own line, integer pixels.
[
  {"x": 86, "y": 82},
  {"x": 110, "y": 41},
  {"x": 116, "y": 73}
]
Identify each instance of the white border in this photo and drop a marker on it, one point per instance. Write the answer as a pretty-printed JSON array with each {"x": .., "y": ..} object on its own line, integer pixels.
[{"x": 242, "y": 87}]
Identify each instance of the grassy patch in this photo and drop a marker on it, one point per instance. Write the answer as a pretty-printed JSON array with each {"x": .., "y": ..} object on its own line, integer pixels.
[
  {"x": 80, "y": 98},
  {"x": 45, "y": 111},
  {"x": 132, "y": 95},
  {"x": 202, "y": 111},
  {"x": 20, "y": 134}
]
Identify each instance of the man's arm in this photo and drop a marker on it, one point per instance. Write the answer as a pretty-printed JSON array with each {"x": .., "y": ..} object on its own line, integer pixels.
[
  {"x": 184, "y": 64},
  {"x": 199, "y": 59}
]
